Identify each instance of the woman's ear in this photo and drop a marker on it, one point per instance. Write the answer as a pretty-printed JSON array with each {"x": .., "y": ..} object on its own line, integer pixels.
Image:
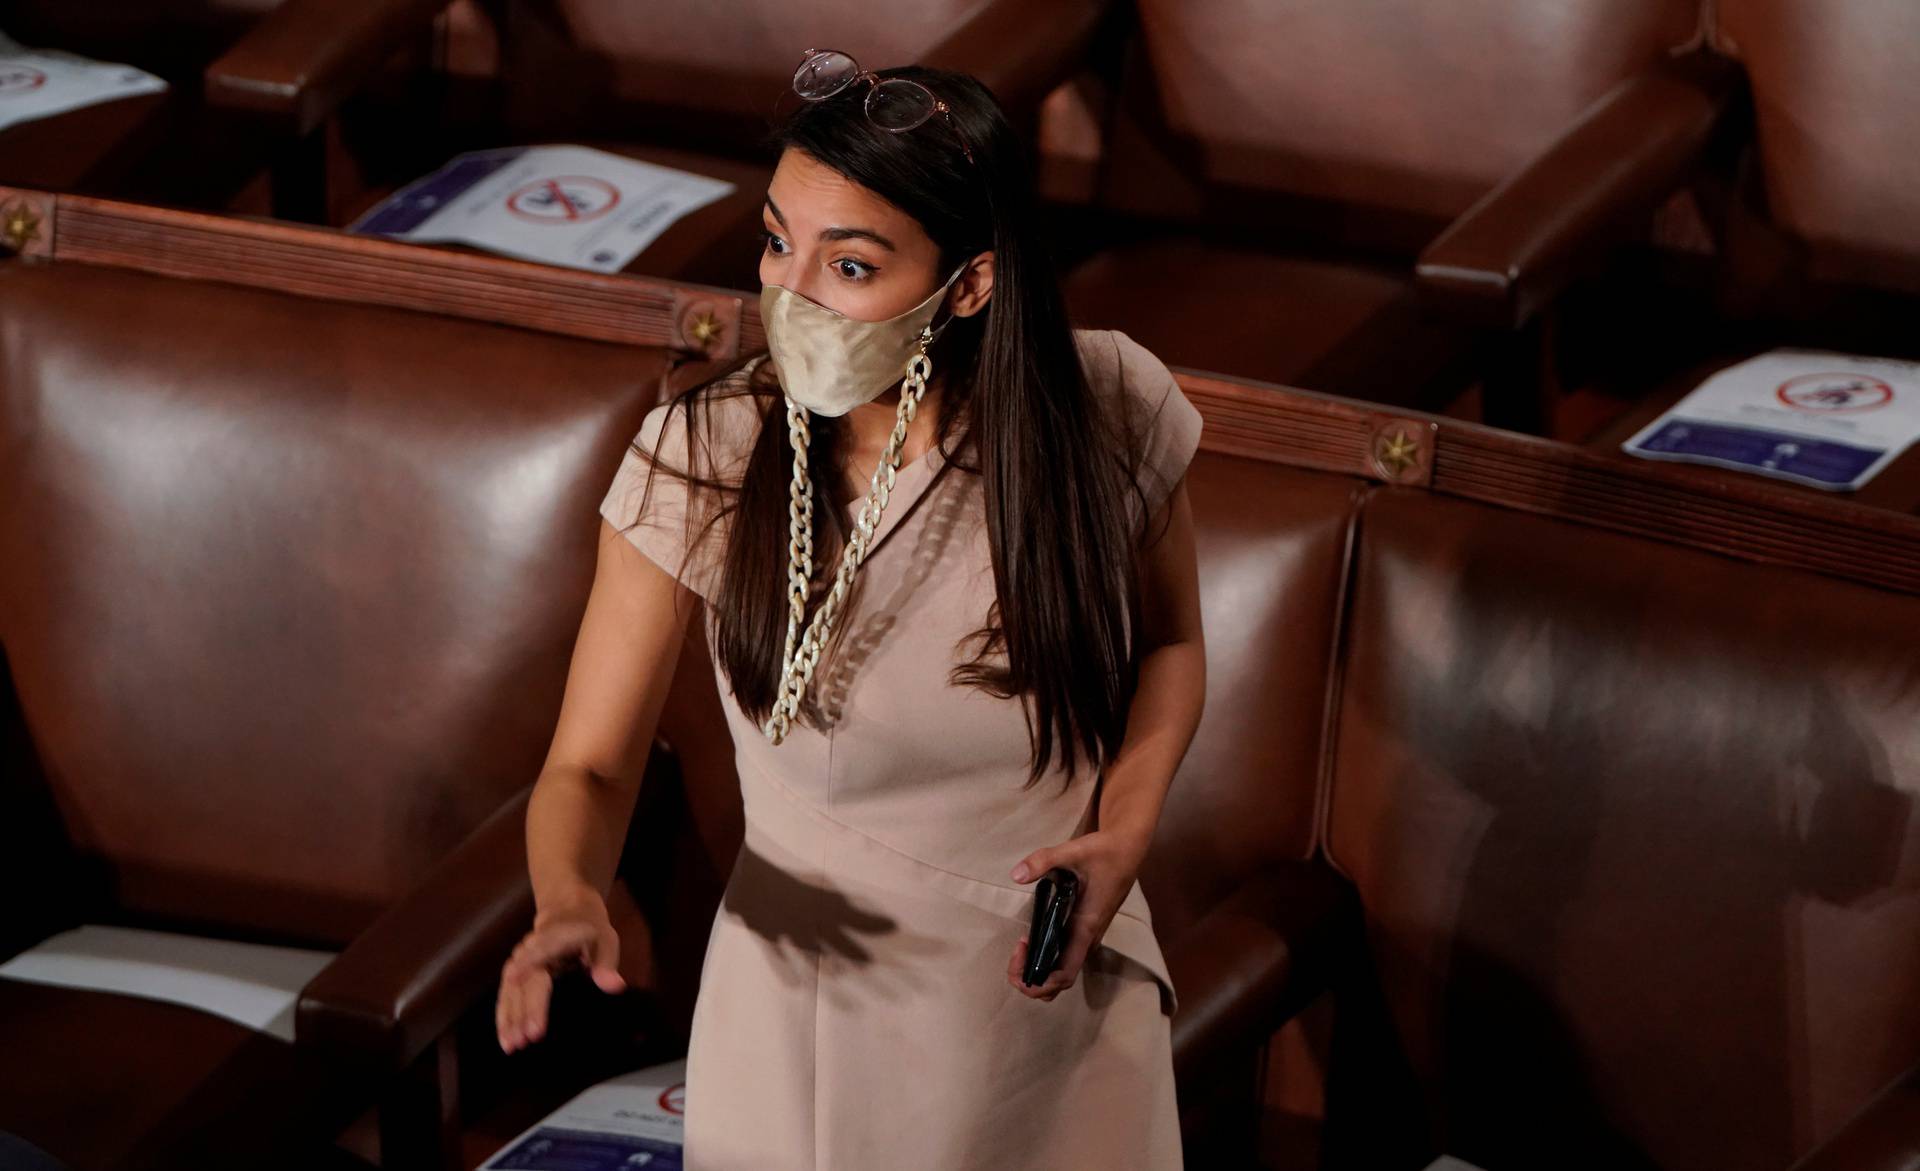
[{"x": 975, "y": 287}]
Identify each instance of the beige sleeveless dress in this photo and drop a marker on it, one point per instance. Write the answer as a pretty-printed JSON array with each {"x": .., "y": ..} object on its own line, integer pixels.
[{"x": 854, "y": 1012}]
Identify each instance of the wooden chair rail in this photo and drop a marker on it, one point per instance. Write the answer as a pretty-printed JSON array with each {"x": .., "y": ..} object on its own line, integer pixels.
[
  {"x": 1723, "y": 512},
  {"x": 1747, "y": 517}
]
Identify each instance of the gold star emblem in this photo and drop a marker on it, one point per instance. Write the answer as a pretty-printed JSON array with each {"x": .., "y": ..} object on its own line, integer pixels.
[
  {"x": 704, "y": 329},
  {"x": 1397, "y": 453},
  {"x": 19, "y": 226}
]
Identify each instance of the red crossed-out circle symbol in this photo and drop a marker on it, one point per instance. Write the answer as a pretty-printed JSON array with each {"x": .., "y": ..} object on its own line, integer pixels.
[
  {"x": 1827, "y": 393},
  {"x": 673, "y": 1099},
  {"x": 564, "y": 199},
  {"x": 19, "y": 79}
]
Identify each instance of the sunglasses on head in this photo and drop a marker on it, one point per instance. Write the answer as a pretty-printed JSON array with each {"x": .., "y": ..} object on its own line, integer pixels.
[{"x": 895, "y": 104}]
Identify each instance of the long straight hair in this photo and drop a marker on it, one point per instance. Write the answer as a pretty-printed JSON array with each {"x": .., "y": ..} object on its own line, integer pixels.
[{"x": 1055, "y": 461}]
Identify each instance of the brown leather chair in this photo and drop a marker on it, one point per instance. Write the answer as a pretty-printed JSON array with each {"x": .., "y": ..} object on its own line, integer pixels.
[
  {"x": 288, "y": 588},
  {"x": 275, "y": 71},
  {"x": 1633, "y": 828},
  {"x": 688, "y": 86},
  {"x": 1274, "y": 171}
]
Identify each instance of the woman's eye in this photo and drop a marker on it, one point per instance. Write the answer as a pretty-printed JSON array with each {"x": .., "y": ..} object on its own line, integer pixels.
[{"x": 848, "y": 268}]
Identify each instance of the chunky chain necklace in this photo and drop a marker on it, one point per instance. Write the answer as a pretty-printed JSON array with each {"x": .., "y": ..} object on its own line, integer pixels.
[{"x": 802, "y": 653}]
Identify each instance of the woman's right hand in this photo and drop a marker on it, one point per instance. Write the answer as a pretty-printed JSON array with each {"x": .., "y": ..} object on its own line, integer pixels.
[{"x": 577, "y": 932}]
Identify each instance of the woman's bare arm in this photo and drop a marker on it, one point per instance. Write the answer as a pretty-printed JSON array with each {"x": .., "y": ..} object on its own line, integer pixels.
[
  {"x": 1172, "y": 687},
  {"x": 622, "y": 666}
]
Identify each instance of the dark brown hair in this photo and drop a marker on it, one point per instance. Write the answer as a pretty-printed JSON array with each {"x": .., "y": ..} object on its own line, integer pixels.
[{"x": 1056, "y": 463}]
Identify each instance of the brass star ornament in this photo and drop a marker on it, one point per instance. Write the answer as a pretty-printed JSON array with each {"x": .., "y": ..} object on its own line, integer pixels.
[
  {"x": 1397, "y": 453},
  {"x": 704, "y": 330},
  {"x": 19, "y": 226}
]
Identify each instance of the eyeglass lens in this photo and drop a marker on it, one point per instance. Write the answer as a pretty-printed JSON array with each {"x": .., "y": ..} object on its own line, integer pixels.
[
  {"x": 899, "y": 104},
  {"x": 824, "y": 74}
]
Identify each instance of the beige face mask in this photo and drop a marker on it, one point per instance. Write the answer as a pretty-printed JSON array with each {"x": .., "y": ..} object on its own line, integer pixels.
[{"x": 829, "y": 363}]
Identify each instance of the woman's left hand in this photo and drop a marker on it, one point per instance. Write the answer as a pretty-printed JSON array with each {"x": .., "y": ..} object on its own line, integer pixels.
[{"x": 1107, "y": 862}]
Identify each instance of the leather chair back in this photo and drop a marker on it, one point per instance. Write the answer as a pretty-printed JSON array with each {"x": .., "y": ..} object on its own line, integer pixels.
[
  {"x": 669, "y": 72},
  {"x": 1273, "y": 546},
  {"x": 1633, "y": 828},
  {"x": 289, "y": 586},
  {"x": 1837, "y": 108},
  {"x": 1367, "y": 121}
]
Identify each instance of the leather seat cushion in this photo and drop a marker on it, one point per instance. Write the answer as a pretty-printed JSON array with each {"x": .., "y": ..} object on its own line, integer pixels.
[
  {"x": 103, "y": 1080},
  {"x": 1316, "y": 323}
]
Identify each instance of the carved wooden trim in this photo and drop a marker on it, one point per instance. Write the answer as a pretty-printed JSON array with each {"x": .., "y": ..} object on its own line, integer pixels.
[
  {"x": 1745, "y": 517},
  {"x": 1724, "y": 512},
  {"x": 334, "y": 265}
]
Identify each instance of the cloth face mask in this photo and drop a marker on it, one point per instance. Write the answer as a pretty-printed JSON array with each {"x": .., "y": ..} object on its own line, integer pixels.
[{"x": 830, "y": 363}]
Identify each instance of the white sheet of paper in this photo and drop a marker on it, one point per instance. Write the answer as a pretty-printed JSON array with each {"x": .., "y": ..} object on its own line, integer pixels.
[
  {"x": 1829, "y": 420},
  {"x": 251, "y": 984},
  {"x": 634, "y": 1120},
  {"x": 567, "y": 205},
  {"x": 39, "y": 83},
  {"x": 1449, "y": 1163}
]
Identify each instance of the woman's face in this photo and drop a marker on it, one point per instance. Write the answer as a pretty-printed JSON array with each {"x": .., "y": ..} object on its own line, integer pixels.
[{"x": 833, "y": 241}]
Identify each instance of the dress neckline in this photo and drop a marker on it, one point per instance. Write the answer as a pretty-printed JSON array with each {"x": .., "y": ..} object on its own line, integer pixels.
[
  {"x": 924, "y": 464},
  {"x": 911, "y": 483}
]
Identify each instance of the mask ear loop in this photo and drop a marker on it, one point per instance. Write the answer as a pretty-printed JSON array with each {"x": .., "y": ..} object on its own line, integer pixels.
[{"x": 927, "y": 338}]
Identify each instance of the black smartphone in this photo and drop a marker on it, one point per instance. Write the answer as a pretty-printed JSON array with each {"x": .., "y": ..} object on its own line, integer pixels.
[{"x": 1053, "y": 899}]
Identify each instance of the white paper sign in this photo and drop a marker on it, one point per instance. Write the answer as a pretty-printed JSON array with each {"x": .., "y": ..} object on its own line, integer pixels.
[
  {"x": 633, "y": 1121},
  {"x": 39, "y": 83},
  {"x": 252, "y": 984},
  {"x": 1828, "y": 420},
  {"x": 567, "y": 205}
]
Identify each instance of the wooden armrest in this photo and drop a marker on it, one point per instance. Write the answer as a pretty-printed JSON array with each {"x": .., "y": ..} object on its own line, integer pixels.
[
  {"x": 1258, "y": 958},
  {"x": 305, "y": 57},
  {"x": 1517, "y": 248},
  {"x": 405, "y": 979}
]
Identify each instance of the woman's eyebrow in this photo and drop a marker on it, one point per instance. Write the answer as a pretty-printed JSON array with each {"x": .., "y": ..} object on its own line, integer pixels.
[{"x": 837, "y": 233}]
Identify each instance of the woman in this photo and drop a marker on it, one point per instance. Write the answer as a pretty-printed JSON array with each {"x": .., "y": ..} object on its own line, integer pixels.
[{"x": 1008, "y": 671}]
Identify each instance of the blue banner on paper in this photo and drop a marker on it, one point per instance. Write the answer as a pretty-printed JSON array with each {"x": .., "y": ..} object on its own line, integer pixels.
[
  {"x": 550, "y": 1148},
  {"x": 409, "y": 207},
  {"x": 555, "y": 204},
  {"x": 1817, "y": 461},
  {"x": 1826, "y": 420}
]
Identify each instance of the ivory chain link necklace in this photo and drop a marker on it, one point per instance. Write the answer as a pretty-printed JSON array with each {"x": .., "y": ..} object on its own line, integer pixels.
[{"x": 802, "y": 652}]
